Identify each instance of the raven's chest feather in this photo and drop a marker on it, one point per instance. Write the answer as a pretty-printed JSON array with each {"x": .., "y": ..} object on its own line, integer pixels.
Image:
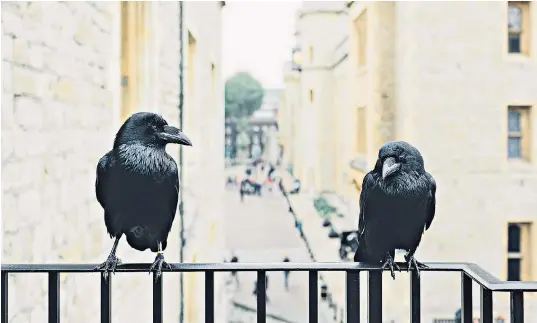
[
  {"x": 146, "y": 162},
  {"x": 397, "y": 213}
]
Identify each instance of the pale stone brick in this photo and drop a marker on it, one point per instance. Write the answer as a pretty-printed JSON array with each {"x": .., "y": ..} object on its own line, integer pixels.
[
  {"x": 28, "y": 113},
  {"x": 9, "y": 203},
  {"x": 30, "y": 82},
  {"x": 27, "y": 54},
  {"x": 7, "y": 50},
  {"x": 64, "y": 89},
  {"x": 7, "y": 79},
  {"x": 7, "y": 111},
  {"x": 16, "y": 175}
]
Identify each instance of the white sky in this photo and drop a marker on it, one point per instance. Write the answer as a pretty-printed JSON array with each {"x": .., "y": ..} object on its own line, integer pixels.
[{"x": 258, "y": 37}]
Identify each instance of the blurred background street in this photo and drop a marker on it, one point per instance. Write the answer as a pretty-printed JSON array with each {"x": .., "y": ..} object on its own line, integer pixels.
[{"x": 262, "y": 230}]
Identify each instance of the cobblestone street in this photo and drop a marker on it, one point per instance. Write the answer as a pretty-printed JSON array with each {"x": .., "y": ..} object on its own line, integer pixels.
[{"x": 261, "y": 230}]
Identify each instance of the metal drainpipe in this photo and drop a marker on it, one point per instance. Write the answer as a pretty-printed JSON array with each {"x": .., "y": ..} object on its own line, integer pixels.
[{"x": 181, "y": 202}]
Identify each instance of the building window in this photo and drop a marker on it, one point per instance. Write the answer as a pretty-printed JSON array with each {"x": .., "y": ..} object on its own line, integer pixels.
[
  {"x": 518, "y": 127},
  {"x": 361, "y": 131},
  {"x": 360, "y": 26},
  {"x": 519, "y": 253},
  {"x": 518, "y": 26},
  {"x": 311, "y": 96},
  {"x": 311, "y": 53}
]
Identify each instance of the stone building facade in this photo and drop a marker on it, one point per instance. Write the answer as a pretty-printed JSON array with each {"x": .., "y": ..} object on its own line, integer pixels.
[
  {"x": 463, "y": 91},
  {"x": 72, "y": 72}
]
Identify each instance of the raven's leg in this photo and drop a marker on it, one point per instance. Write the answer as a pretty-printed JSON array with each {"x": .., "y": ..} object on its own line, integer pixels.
[
  {"x": 390, "y": 263},
  {"x": 159, "y": 262},
  {"x": 112, "y": 261},
  {"x": 411, "y": 261}
]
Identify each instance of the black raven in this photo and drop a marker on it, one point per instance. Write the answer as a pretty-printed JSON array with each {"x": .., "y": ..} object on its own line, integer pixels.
[
  {"x": 397, "y": 204},
  {"x": 138, "y": 185}
]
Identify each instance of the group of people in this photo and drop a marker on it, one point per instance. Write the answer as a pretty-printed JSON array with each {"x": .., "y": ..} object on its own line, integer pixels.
[
  {"x": 234, "y": 277},
  {"x": 252, "y": 184}
]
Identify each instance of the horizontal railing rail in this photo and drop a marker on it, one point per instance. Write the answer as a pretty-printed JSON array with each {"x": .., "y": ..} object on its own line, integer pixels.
[{"x": 469, "y": 272}]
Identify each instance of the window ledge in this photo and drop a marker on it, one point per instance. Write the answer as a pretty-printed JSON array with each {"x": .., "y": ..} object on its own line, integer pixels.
[
  {"x": 522, "y": 166},
  {"x": 518, "y": 57}
]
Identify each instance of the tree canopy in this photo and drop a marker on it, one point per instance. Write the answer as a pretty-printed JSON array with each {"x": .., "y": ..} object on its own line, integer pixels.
[{"x": 244, "y": 95}]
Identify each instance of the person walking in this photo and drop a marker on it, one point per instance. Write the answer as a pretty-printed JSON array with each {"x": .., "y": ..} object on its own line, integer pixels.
[
  {"x": 234, "y": 275},
  {"x": 286, "y": 274},
  {"x": 266, "y": 288}
]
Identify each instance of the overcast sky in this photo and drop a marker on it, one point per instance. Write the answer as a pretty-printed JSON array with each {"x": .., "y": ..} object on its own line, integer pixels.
[{"x": 258, "y": 37}]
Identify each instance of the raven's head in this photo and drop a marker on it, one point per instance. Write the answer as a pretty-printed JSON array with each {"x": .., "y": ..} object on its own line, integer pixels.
[
  {"x": 398, "y": 158},
  {"x": 149, "y": 129}
]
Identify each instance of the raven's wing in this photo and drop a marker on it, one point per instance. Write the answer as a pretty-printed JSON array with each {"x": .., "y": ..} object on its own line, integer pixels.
[
  {"x": 431, "y": 206},
  {"x": 102, "y": 180},
  {"x": 367, "y": 185},
  {"x": 170, "y": 193},
  {"x": 174, "y": 198}
]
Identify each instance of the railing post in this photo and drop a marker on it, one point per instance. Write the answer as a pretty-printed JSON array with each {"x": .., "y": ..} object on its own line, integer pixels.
[
  {"x": 415, "y": 297},
  {"x": 313, "y": 297},
  {"x": 157, "y": 300},
  {"x": 466, "y": 299},
  {"x": 375, "y": 296},
  {"x": 54, "y": 297},
  {"x": 486, "y": 305},
  {"x": 106, "y": 299},
  {"x": 5, "y": 297},
  {"x": 517, "y": 307},
  {"x": 353, "y": 297},
  {"x": 261, "y": 296},
  {"x": 209, "y": 297}
]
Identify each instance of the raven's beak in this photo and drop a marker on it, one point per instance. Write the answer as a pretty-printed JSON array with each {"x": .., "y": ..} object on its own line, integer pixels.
[
  {"x": 174, "y": 135},
  {"x": 389, "y": 167}
]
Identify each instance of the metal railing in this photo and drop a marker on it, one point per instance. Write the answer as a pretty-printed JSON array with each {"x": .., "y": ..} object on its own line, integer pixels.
[{"x": 469, "y": 272}]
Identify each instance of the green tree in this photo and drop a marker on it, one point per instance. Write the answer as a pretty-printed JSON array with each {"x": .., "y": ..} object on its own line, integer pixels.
[{"x": 244, "y": 95}]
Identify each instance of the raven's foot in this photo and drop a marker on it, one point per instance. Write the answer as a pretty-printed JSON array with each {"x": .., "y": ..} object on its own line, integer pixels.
[
  {"x": 109, "y": 265},
  {"x": 157, "y": 266},
  {"x": 390, "y": 263},
  {"x": 412, "y": 262}
]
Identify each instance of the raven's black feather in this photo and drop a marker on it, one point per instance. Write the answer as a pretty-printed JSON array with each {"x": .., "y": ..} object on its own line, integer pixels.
[
  {"x": 397, "y": 209},
  {"x": 138, "y": 185}
]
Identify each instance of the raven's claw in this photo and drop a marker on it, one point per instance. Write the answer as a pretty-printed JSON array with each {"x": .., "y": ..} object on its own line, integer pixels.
[
  {"x": 411, "y": 261},
  {"x": 390, "y": 263},
  {"x": 157, "y": 266},
  {"x": 109, "y": 266}
]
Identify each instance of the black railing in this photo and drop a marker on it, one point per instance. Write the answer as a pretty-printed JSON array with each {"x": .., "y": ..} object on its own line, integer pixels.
[{"x": 469, "y": 272}]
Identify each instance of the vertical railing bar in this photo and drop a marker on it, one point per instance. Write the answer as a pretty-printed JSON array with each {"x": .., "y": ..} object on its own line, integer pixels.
[
  {"x": 486, "y": 305},
  {"x": 106, "y": 299},
  {"x": 375, "y": 296},
  {"x": 209, "y": 297},
  {"x": 353, "y": 296},
  {"x": 466, "y": 298},
  {"x": 517, "y": 307},
  {"x": 261, "y": 296},
  {"x": 54, "y": 297},
  {"x": 5, "y": 291},
  {"x": 313, "y": 296},
  {"x": 157, "y": 299},
  {"x": 415, "y": 297}
]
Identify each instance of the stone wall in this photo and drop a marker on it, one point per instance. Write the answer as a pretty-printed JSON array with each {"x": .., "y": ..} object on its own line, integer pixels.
[
  {"x": 57, "y": 121},
  {"x": 60, "y": 111}
]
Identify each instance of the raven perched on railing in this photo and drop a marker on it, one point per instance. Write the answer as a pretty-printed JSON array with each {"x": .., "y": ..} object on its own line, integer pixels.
[
  {"x": 397, "y": 204},
  {"x": 137, "y": 185}
]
